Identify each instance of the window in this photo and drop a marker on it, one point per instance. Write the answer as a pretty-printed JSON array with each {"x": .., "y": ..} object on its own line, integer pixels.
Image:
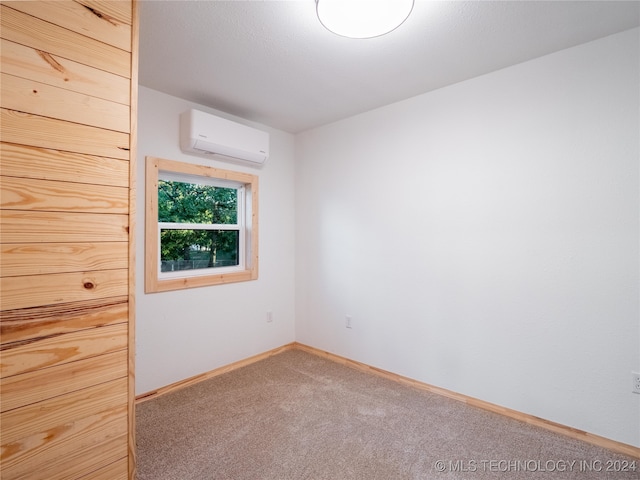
[{"x": 201, "y": 226}]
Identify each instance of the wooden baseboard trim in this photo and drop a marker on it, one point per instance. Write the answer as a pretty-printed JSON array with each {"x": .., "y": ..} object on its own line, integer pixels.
[
  {"x": 574, "y": 433},
  {"x": 213, "y": 373}
]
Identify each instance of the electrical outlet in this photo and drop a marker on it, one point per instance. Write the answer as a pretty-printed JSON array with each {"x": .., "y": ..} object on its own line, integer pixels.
[
  {"x": 636, "y": 382},
  {"x": 269, "y": 317},
  {"x": 347, "y": 321}
]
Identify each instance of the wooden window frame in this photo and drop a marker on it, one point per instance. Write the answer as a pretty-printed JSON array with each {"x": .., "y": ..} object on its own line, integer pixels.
[{"x": 153, "y": 282}]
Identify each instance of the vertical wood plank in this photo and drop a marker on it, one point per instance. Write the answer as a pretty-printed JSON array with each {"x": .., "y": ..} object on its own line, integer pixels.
[{"x": 133, "y": 145}]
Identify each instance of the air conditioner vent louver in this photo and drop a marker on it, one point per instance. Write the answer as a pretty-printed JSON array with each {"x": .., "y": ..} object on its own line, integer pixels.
[{"x": 206, "y": 134}]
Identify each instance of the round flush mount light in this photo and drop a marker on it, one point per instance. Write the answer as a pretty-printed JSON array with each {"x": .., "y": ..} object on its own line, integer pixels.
[{"x": 363, "y": 18}]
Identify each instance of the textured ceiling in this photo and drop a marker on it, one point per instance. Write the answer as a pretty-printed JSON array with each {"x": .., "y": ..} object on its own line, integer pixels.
[{"x": 272, "y": 61}]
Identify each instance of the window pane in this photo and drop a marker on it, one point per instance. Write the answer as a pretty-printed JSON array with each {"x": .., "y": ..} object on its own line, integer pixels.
[
  {"x": 181, "y": 202},
  {"x": 195, "y": 249}
]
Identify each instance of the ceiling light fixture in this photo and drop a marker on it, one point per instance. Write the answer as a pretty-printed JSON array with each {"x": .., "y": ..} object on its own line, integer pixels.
[{"x": 363, "y": 18}]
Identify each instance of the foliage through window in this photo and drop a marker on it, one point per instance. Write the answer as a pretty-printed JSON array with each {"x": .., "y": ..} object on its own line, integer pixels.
[
  {"x": 198, "y": 225},
  {"x": 203, "y": 223}
]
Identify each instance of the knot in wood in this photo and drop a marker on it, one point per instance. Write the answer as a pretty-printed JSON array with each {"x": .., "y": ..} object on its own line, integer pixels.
[{"x": 89, "y": 285}]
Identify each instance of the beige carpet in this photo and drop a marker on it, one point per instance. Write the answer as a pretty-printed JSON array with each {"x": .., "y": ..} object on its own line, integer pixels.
[{"x": 298, "y": 416}]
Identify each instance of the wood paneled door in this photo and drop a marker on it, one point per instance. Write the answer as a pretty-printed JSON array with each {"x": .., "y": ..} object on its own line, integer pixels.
[{"x": 67, "y": 146}]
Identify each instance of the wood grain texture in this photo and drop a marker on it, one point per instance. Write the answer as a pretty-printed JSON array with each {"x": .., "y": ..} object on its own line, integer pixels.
[
  {"x": 118, "y": 470},
  {"x": 55, "y": 196},
  {"x": 82, "y": 465},
  {"x": 29, "y": 355},
  {"x": 201, "y": 170},
  {"x": 151, "y": 234},
  {"x": 94, "y": 22},
  {"x": 197, "y": 281},
  {"x": 67, "y": 129},
  {"x": 253, "y": 259},
  {"x": 30, "y": 323},
  {"x": 17, "y": 226},
  {"x": 37, "y": 98},
  {"x": 33, "y": 32},
  {"x": 32, "y": 419},
  {"x": 41, "y": 290},
  {"x": 133, "y": 187},
  {"x": 120, "y": 10},
  {"x": 50, "y": 451},
  {"x": 36, "y": 131},
  {"x": 51, "y": 258},
  {"x": 47, "y": 164},
  {"x": 32, "y": 387},
  {"x": 54, "y": 70}
]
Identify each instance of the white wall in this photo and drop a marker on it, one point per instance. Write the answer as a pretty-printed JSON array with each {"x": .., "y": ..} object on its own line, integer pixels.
[
  {"x": 183, "y": 333},
  {"x": 484, "y": 237}
]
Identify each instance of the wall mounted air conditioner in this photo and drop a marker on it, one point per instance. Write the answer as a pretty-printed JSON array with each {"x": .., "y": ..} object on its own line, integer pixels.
[{"x": 206, "y": 134}]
